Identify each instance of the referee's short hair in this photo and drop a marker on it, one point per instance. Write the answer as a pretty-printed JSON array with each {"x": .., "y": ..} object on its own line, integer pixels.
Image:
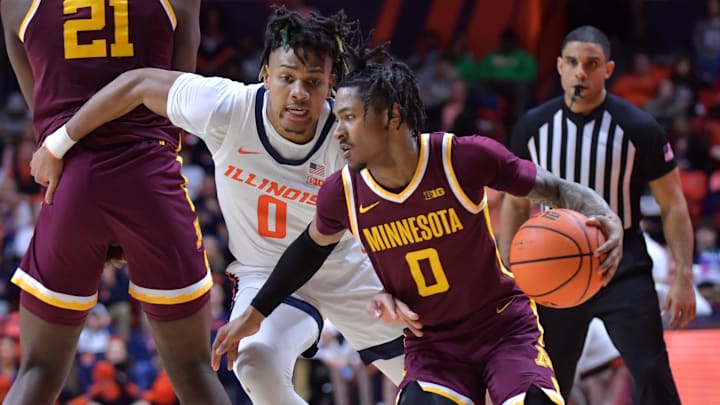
[{"x": 588, "y": 33}]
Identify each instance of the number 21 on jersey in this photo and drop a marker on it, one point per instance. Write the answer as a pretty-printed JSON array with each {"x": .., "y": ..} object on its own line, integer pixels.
[{"x": 97, "y": 48}]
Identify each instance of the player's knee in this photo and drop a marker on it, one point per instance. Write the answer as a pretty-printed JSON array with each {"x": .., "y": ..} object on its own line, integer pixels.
[
  {"x": 50, "y": 376},
  {"x": 256, "y": 364}
]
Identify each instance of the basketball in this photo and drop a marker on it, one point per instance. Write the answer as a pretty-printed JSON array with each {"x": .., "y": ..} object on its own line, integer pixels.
[{"x": 551, "y": 257}]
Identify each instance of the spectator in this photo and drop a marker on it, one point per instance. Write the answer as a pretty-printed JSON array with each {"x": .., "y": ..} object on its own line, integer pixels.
[
  {"x": 707, "y": 252},
  {"x": 215, "y": 49},
  {"x": 706, "y": 41},
  {"x": 346, "y": 369},
  {"x": 9, "y": 357},
  {"x": 427, "y": 52},
  {"x": 435, "y": 83},
  {"x": 664, "y": 106},
  {"x": 638, "y": 85},
  {"x": 110, "y": 386},
  {"x": 14, "y": 118},
  {"x": 690, "y": 149},
  {"x": 142, "y": 349},
  {"x": 93, "y": 343},
  {"x": 16, "y": 162},
  {"x": 687, "y": 84},
  {"x": 113, "y": 294},
  {"x": 510, "y": 72},
  {"x": 601, "y": 376}
]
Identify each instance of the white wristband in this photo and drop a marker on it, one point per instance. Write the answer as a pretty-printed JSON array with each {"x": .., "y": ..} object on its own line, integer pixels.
[{"x": 59, "y": 142}]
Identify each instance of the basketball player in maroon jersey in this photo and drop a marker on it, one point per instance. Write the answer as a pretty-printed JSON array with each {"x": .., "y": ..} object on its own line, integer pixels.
[
  {"x": 418, "y": 205},
  {"x": 121, "y": 186}
]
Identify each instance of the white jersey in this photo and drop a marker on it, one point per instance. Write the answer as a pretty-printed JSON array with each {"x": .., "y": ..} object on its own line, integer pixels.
[{"x": 267, "y": 187}]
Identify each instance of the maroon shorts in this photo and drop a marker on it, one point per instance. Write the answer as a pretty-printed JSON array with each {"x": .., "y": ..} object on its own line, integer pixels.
[
  {"x": 500, "y": 352},
  {"x": 130, "y": 195}
]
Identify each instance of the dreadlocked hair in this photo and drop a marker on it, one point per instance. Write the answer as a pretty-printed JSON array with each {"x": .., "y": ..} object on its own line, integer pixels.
[
  {"x": 383, "y": 82},
  {"x": 325, "y": 36}
]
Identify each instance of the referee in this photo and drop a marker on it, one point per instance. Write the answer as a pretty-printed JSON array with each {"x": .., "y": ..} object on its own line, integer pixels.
[{"x": 604, "y": 142}]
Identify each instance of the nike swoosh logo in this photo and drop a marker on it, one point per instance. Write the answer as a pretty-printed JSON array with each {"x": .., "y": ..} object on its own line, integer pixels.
[
  {"x": 369, "y": 207},
  {"x": 500, "y": 310},
  {"x": 242, "y": 151}
]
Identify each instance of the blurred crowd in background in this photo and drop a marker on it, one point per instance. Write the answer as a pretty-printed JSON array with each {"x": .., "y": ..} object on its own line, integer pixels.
[{"x": 464, "y": 93}]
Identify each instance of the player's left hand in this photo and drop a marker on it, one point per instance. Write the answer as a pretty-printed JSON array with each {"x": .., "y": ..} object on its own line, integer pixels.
[
  {"x": 392, "y": 310},
  {"x": 611, "y": 226},
  {"x": 229, "y": 336},
  {"x": 680, "y": 301},
  {"x": 46, "y": 169}
]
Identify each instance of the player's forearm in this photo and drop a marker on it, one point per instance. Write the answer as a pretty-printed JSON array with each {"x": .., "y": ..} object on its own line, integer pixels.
[
  {"x": 678, "y": 231},
  {"x": 555, "y": 192},
  {"x": 513, "y": 213},
  {"x": 149, "y": 87},
  {"x": 301, "y": 260}
]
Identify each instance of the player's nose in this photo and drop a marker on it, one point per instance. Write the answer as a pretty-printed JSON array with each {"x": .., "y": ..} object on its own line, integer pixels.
[
  {"x": 298, "y": 91},
  {"x": 340, "y": 133}
]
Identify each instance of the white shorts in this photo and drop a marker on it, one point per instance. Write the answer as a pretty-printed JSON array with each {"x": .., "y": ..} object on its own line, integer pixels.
[{"x": 341, "y": 291}]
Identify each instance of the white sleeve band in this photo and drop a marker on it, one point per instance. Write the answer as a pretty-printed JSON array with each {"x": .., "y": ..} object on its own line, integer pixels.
[{"x": 59, "y": 142}]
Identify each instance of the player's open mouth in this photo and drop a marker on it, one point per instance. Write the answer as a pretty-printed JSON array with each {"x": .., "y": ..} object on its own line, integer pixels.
[
  {"x": 345, "y": 148},
  {"x": 299, "y": 114}
]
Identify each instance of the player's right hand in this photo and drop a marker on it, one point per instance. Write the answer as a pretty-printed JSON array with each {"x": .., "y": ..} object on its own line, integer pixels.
[
  {"x": 392, "y": 310},
  {"x": 46, "y": 169},
  {"x": 229, "y": 336}
]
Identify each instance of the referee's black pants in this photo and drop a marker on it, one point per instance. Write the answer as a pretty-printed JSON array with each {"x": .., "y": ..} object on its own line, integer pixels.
[{"x": 629, "y": 308}]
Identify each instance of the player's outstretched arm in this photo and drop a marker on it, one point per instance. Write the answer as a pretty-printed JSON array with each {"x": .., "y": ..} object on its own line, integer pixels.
[
  {"x": 555, "y": 192},
  {"x": 147, "y": 86},
  {"x": 300, "y": 261}
]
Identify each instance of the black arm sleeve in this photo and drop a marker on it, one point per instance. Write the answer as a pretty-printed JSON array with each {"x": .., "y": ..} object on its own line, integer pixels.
[{"x": 300, "y": 261}]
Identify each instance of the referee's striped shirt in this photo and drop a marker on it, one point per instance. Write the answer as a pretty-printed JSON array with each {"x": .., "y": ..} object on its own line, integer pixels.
[{"x": 615, "y": 150}]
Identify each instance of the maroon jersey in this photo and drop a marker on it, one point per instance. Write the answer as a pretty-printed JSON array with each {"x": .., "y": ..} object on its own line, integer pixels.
[
  {"x": 431, "y": 243},
  {"x": 76, "y": 48}
]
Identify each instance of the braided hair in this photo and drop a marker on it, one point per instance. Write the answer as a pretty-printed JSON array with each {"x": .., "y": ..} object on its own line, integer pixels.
[
  {"x": 324, "y": 36},
  {"x": 383, "y": 82}
]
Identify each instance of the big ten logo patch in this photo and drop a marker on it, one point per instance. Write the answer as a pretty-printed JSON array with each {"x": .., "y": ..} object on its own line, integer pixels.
[
  {"x": 314, "y": 181},
  {"x": 435, "y": 193},
  {"x": 551, "y": 215}
]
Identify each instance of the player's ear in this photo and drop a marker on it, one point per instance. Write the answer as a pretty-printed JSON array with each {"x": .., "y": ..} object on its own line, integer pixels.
[
  {"x": 559, "y": 65},
  {"x": 609, "y": 69},
  {"x": 331, "y": 87},
  {"x": 395, "y": 116},
  {"x": 265, "y": 76}
]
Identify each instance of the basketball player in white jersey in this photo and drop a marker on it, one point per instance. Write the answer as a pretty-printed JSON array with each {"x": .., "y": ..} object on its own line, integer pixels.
[{"x": 272, "y": 150}]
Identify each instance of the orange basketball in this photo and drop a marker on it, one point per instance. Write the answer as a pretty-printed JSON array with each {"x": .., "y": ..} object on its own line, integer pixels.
[{"x": 552, "y": 259}]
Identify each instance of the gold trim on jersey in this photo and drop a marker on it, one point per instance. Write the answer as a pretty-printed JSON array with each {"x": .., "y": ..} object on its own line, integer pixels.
[
  {"x": 414, "y": 182},
  {"x": 446, "y": 393},
  {"x": 488, "y": 223},
  {"x": 26, "y": 21},
  {"x": 453, "y": 181},
  {"x": 176, "y": 296},
  {"x": 170, "y": 12},
  {"x": 54, "y": 298},
  {"x": 350, "y": 201}
]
